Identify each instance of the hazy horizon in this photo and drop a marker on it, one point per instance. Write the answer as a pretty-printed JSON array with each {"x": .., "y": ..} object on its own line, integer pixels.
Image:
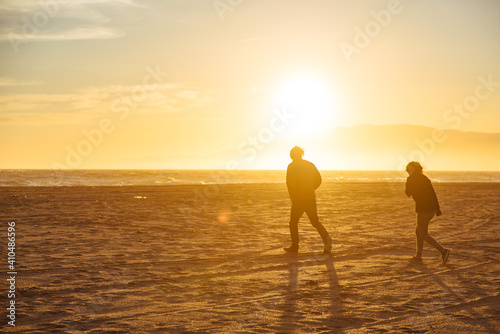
[{"x": 144, "y": 84}]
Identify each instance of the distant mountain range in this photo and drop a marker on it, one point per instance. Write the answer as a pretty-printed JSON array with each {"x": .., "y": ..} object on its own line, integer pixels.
[
  {"x": 438, "y": 149},
  {"x": 361, "y": 147},
  {"x": 378, "y": 147}
]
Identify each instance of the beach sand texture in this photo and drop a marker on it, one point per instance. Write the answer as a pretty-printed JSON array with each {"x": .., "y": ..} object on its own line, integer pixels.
[{"x": 209, "y": 259}]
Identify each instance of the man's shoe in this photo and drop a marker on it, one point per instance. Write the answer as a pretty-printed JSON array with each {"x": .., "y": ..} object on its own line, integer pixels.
[
  {"x": 416, "y": 258},
  {"x": 445, "y": 255},
  {"x": 292, "y": 249}
]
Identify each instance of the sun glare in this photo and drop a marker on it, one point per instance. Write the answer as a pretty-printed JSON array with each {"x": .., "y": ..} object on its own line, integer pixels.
[{"x": 311, "y": 100}]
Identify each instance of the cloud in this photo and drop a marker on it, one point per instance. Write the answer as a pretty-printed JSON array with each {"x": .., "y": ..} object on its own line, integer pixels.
[
  {"x": 5, "y": 82},
  {"x": 98, "y": 101},
  {"x": 80, "y": 34},
  {"x": 167, "y": 97},
  {"x": 258, "y": 38},
  {"x": 57, "y": 20}
]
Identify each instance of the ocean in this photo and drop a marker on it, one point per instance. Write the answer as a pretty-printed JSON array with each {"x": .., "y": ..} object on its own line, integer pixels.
[{"x": 61, "y": 178}]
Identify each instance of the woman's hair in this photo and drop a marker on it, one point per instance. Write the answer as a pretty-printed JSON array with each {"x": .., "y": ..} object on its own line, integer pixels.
[
  {"x": 296, "y": 153},
  {"x": 417, "y": 167}
]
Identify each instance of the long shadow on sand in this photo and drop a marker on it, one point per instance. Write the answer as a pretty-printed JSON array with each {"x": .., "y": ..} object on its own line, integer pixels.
[
  {"x": 311, "y": 305},
  {"x": 452, "y": 300}
]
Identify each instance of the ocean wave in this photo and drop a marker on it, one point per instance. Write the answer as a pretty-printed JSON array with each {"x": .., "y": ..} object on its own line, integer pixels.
[{"x": 61, "y": 178}]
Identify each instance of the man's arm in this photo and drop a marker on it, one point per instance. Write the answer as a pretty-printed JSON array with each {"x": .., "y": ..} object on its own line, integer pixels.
[{"x": 291, "y": 183}]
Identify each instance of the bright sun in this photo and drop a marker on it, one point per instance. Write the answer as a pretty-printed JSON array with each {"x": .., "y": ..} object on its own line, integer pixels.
[{"x": 312, "y": 102}]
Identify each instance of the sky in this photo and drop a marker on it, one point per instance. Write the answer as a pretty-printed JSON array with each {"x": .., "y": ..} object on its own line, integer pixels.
[{"x": 175, "y": 83}]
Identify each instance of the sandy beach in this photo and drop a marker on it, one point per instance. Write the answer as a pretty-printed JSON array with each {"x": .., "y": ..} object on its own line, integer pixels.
[{"x": 209, "y": 259}]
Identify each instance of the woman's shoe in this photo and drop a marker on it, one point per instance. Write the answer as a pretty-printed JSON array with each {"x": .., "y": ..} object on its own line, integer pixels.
[
  {"x": 328, "y": 246},
  {"x": 445, "y": 255}
]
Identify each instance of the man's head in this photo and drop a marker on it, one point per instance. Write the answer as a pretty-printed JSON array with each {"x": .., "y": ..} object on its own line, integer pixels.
[
  {"x": 414, "y": 167},
  {"x": 296, "y": 153}
]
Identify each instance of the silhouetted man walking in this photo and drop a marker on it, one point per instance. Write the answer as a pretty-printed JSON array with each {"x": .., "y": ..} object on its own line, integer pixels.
[{"x": 302, "y": 180}]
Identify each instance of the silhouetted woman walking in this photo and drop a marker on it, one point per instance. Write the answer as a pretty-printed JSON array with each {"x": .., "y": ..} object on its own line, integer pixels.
[{"x": 420, "y": 188}]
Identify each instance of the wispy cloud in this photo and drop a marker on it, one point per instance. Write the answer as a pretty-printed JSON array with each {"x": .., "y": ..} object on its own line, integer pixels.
[
  {"x": 257, "y": 38},
  {"x": 168, "y": 97},
  {"x": 71, "y": 20},
  {"x": 80, "y": 34},
  {"x": 6, "y": 82},
  {"x": 97, "y": 101}
]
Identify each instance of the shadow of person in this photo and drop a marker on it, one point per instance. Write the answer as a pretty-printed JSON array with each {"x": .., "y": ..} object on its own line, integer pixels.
[
  {"x": 311, "y": 299},
  {"x": 334, "y": 293},
  {"x": 289, "y": 315},
  {"x": 451, "y": 299}
]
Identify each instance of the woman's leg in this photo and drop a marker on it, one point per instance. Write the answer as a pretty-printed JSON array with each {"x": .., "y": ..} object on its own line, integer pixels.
[
  {"x": 420, "y": 241},
  {"x": 423, "y": 220}
]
